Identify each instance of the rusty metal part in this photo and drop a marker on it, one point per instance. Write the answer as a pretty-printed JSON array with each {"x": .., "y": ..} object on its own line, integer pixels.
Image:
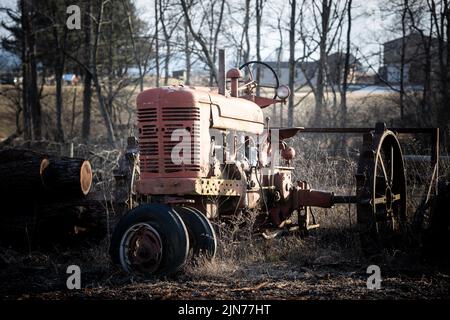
[
  {"x": 312, "y": 198},
  {"x": 288, "y": 153},
  {"x": 262, "y": 102},
  {"x": 285, "y": 133},
  {"x": 192, "y": 186},
  {"x": 142, "y": 249},
  {"x": 344, "y": 199},
  {"x": 283, "y": 183},
  {"x": 219, "y": 187},
  {"x": 234, "y": 75},
  {"x": 381, "y": 186}
]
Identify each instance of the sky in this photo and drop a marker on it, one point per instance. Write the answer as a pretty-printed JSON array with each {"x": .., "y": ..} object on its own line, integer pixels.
[{"x": 369, "y": 27}]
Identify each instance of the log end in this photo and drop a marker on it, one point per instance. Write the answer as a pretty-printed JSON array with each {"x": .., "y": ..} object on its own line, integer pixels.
[
  {"x": 85, "y": 177},
  {"x": 44, "y": 164}
]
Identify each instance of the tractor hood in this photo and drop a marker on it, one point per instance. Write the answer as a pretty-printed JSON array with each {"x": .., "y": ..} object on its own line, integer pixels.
[{"x": 227, "y": 113}]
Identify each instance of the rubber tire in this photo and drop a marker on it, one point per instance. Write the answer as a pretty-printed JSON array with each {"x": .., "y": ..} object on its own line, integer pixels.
[
  {"x": 170, "y": 226},
  {"x": 202, "y": 237}
]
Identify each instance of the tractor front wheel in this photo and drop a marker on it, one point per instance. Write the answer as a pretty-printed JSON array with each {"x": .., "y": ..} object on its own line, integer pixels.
[{"x": 150, "y": 240}]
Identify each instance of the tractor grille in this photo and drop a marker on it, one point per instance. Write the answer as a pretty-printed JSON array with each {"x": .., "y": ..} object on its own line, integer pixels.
[{"x": 155, "y": 140}]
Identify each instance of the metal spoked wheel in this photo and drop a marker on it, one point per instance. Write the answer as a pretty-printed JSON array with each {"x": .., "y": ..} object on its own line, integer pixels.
[
  {"x": 151, "y": 239},
  {"x": 381, "y": 189}
]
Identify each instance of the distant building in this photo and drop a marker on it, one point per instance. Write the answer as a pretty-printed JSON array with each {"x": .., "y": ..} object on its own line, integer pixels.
[
  {"x": 9, "y": 67},
  {"x": 307, "y": 71},
  {"x": 7, "y": 78},
  {"x": 179, "y": 74},
  {"x": 336, "y": 66},
  {"x": 414, "y": 59}
]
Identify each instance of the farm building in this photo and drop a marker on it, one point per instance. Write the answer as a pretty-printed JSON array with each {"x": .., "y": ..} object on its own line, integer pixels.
[
  {"x": 307, "y": 71},
  {"x": 414, "y": 60}
]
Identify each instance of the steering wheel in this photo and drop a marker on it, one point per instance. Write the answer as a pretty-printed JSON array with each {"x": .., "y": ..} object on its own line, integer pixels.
[{"x": 250, "y": 81}]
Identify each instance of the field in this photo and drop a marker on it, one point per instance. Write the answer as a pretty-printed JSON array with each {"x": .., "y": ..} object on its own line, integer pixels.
[{"x": 327, "y": 264}]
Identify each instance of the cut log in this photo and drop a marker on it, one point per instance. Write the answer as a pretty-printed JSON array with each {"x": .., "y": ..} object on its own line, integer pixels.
[
  {"x": 67, "y": 176},
  {"x": 44, "y": 199},
  {"x": 27, "y": 173},
  {"x": 20, "y": 172}
]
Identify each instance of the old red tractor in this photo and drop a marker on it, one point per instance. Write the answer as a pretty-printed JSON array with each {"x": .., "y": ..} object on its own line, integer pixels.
[{"x": 208, "y": 153}]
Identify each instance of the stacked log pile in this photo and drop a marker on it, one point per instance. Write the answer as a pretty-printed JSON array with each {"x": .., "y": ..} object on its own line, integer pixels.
[{"x": 44, "y": 198}]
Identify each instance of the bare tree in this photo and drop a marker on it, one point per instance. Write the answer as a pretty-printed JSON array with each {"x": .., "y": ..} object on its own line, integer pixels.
[
  {"x": 87, "y": 79},
  {"x": 259, "y": 12},
  {"x": 169, "y": 26},
  {"x": 245, "y": 33},
  {"x": 292, "y": 61},
  {"x": 187, "y": 51},
  {"x": 207, "y": 54},
  {"x": 346, "y": 65},
  {"x": 101, "y": 100},
  {"x": 25, "y": 70},
  {"x": 59, "y": 32},
  {"x": 157, "y": 19},
  {"x": 324, "y": 28},
  {"x": 402, "y": 58}
]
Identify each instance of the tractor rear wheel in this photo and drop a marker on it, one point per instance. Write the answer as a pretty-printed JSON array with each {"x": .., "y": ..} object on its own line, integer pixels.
[
  {"x": 202, "y": 237},
  {"x": 381, "y": 191},
  {"x": 150, "y": 240}
]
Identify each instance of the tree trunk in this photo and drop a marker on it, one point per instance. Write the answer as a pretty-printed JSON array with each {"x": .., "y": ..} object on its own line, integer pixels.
[
  {"x": 320, "y": 87},
  {"x": 187, "y": 52},
  {"x": 209, "y": 61},
  {"x": 87, "y": 90},
  {"x": 135, "y": 51},
  {"x": 167, "y": 37},
  {"x": 402, "y": 61},
  {"x": 101, "y": 101},
  {"x": 346, "y": 66},
  {"x": 258, "y": 41},
  {"x": 292, "y": 64},
  {"x": 59, "y": 102},
  {"x": 33, "y": 86},
  {"x": 157, "y": 43},
  {"x": 246, "y": 56},
  {"x": 25, "y": 71},
  {"x": 109, "y": 103}
]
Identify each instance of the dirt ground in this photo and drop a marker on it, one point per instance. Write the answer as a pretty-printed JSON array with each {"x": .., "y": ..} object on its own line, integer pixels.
[{"x": 303, "y": 269}]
